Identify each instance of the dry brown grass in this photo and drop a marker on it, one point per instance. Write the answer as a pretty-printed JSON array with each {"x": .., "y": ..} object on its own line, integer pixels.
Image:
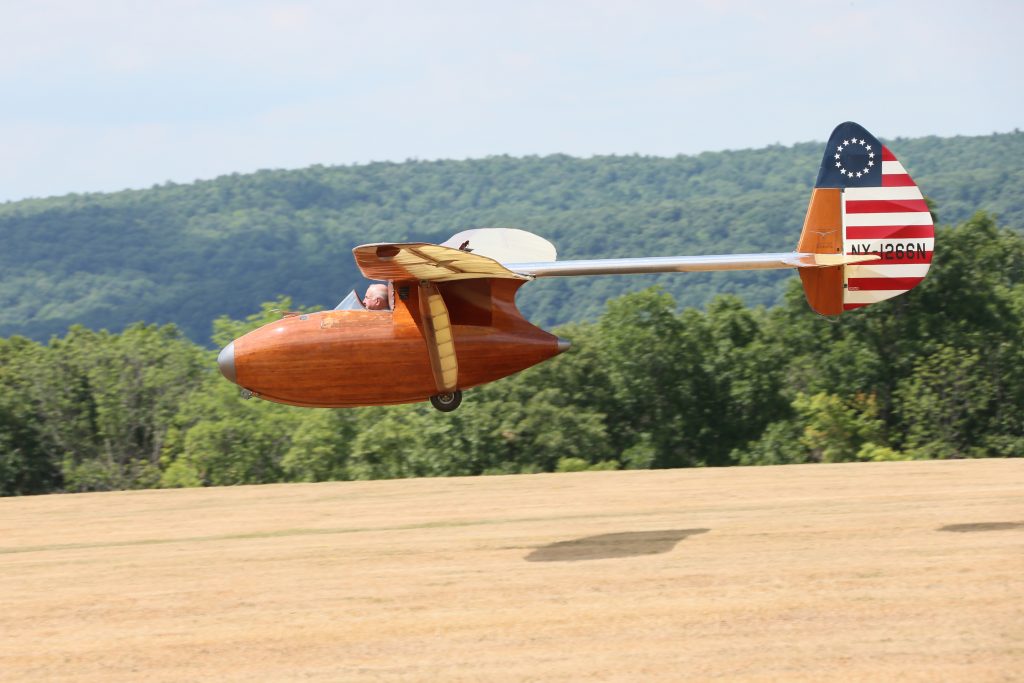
[{"x": 822, "y": 572}]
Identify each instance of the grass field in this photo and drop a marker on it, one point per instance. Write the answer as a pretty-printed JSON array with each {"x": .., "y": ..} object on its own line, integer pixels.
[{"x": 874, "y": 571}]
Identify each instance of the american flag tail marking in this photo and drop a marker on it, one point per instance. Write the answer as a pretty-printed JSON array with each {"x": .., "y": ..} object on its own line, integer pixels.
[{"x": 864, "y": 203}]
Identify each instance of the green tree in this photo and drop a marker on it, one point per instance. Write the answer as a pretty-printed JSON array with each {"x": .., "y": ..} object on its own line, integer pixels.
[
  {"x": 947, "y": 404},
  {"x": 837, "y": 429},
  {"x": 321, "y": 445},
  {"x": 104, "y": 402},
  {"x": 653, "y": 361},
  {"x": 221, "y": 440},
  {"x": 25, "y": 466},
  {"x": 748, "y": 370}
]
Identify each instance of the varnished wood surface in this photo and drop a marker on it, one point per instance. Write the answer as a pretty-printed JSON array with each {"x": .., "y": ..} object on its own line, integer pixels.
[
  {"x": 334, "y": 359},
  {"x": 823, "y": 288},
  {"x": 439, "y": 338},
  {"x": 354, "y": 358},
  {"x": 823, "y": 234},
  {"x": 823, "y": 224},
  {"x": 419, "y": 261}
]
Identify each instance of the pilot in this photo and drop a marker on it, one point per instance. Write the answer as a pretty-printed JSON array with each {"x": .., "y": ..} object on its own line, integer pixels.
[{"x": 376, "y": 298}]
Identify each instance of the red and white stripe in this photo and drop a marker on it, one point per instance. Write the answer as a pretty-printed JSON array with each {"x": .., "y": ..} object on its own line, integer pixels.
[{"x": 892, "y": 221}]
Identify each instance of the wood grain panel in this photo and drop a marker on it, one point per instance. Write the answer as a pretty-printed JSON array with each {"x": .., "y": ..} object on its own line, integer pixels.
[
  {"x": 823, "y": 234},
  {"x": 356, "y": 358}
]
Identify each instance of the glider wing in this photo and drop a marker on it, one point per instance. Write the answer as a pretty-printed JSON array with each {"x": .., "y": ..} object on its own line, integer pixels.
[{"x": 429, "y": 262}]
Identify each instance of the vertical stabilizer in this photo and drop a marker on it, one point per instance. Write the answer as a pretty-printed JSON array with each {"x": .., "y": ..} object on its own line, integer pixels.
[{"x": 865, "y": 198}]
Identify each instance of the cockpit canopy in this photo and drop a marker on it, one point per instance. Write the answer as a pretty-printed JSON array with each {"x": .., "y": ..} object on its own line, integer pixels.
[{"x": 352, "y": 302}]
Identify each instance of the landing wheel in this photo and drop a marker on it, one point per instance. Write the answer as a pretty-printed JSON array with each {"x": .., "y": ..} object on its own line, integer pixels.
[{"x": 448, "y": 402}]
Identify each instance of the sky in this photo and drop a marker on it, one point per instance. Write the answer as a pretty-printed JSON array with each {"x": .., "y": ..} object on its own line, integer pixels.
[{"x": 108, "y": 95}]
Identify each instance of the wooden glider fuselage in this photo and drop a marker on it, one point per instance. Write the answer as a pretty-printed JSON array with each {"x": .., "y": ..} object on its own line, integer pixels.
[{"x": 345, "y": 358}]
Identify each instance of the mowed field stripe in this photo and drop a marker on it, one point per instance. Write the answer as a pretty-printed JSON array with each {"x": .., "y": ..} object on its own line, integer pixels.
[{"x": 327, "y": 531}]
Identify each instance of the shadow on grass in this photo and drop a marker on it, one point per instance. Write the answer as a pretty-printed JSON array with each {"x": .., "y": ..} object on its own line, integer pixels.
[
  {"x": 608, "y": 546},
  {"x": 982, "y": 526}
]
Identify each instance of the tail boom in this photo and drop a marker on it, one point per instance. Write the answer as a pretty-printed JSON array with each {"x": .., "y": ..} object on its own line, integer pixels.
[{"x": 685, "y": 264}]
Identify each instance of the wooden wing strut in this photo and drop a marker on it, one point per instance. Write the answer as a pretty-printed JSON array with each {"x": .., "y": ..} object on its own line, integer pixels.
[{"x": 437, "y": 331}]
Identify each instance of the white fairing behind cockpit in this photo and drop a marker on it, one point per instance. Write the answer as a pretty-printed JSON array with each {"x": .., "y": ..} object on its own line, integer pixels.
[{"x": 504, "y": 245}]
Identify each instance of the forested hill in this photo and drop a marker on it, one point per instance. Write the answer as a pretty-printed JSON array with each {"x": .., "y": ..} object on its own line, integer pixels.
[{"x": 189, "y": 253}]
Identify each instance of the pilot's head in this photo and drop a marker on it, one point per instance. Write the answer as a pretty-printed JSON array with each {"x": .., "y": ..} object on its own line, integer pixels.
[{"x": 376, "y": 298}]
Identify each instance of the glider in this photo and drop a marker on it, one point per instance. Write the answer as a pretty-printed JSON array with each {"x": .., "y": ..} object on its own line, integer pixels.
[{"x": 452, "y": 322}]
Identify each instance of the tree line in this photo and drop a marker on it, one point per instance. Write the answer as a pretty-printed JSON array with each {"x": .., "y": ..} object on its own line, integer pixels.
[
  {"x": 935, "y": 373},
  {"x": 189, "y": 253}
]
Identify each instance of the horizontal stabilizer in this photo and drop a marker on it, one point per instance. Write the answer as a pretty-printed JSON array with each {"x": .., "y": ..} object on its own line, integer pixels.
[{"x": 825, "y": 260}]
